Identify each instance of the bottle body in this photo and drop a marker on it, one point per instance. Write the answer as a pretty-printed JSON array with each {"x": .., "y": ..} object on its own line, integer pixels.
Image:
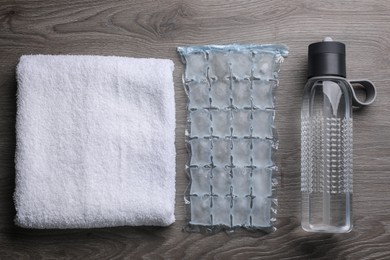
[{"x": 326, "y": 155}]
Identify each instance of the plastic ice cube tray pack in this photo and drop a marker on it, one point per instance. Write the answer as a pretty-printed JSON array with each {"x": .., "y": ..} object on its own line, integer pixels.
[{"x": 231, "y": 136}]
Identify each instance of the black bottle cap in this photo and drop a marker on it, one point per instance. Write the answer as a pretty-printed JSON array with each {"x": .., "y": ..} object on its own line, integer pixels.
[{"x": 327, "y": 58}]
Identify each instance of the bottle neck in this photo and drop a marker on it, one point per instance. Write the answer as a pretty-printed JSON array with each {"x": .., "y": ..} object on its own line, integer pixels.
[{"x": 327, "y": 77}]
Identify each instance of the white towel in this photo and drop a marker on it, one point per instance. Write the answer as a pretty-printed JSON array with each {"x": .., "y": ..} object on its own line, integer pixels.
[{"x": 95, "y": 142}]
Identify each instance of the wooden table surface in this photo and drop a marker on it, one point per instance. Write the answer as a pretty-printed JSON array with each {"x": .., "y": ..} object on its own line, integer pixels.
[{"x": 155, "y": 29}]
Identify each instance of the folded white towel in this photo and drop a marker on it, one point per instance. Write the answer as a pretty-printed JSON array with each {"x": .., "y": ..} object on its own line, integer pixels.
[{"x": 95, "y": 142}]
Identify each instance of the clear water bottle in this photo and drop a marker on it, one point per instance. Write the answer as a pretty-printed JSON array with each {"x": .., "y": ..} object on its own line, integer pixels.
[{"x": 327, "y": 138}]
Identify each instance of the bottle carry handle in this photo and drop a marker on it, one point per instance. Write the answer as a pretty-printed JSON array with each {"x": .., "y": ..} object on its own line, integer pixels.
[{"x": 369, "y": 89}]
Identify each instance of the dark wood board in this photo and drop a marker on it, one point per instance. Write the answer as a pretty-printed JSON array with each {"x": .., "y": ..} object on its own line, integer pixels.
[{"x": 155, "y": 29}]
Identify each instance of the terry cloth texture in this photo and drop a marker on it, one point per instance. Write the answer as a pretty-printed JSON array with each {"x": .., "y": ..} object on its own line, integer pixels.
[{"x": 95, "y": 142}]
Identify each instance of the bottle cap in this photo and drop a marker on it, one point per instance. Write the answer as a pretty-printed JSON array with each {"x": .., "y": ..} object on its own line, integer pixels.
[{"x": 327, "y": 58}]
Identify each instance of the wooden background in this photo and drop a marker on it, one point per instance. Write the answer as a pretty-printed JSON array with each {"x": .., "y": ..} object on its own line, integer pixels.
[{"x": 155, "y": 29}]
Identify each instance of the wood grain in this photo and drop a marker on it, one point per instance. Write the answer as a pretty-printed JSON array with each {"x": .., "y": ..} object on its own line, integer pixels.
[{"x": 154, "y": 29}]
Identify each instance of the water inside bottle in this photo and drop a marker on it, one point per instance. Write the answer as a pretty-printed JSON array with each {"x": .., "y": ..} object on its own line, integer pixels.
[{"x": 326, "y": 159}]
